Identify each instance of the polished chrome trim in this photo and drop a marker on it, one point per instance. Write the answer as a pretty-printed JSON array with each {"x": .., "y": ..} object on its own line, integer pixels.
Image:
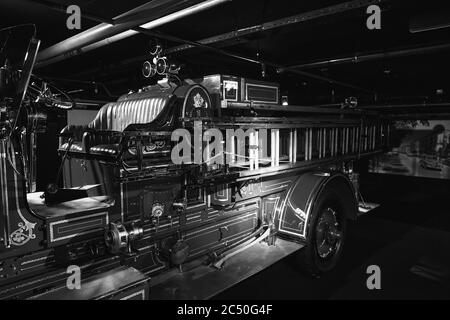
[
  {"x": 4, "y": 186},
  {"x": 215, "y": 227},
  {"x": 261, "y": 86},
  {"x": 276, "y": 186},
  {"x": 142, "y": 293},
  {"x": 122, "y": 213},
  {"x": 52, "y": 224},
  {"x": 237, "y": 90}
]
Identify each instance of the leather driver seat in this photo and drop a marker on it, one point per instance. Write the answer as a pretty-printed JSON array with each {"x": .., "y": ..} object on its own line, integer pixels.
[{"x": 116, "y": 116}]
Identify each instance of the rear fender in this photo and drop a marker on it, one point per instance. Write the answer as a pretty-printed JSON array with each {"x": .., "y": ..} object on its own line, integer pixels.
[{"x": 299, "y": 202}]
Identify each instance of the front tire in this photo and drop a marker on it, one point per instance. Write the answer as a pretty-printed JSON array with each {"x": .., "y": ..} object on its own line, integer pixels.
[{"x": 326, "y": 233}]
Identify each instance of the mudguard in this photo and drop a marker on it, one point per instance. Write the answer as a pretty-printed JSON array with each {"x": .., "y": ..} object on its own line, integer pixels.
[{"x": 301, "y": 197}]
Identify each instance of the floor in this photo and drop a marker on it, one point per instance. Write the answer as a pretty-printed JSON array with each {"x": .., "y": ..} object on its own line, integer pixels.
[{"x": 408, "y": 237}]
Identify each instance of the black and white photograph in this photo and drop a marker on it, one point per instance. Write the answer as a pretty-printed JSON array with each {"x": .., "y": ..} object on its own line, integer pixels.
[{"x": 218, "y": 157}]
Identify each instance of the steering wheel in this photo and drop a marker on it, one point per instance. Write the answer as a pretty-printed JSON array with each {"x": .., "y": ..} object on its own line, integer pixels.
[{"x": 48, "y": 94}]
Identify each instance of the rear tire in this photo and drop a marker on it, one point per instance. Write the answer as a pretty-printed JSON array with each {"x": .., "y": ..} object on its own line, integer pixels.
[{"x": 326, "y": 233}]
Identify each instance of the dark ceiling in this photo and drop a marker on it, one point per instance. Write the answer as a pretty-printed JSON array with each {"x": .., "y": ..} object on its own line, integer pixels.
[{"x": 406, "y": 78}]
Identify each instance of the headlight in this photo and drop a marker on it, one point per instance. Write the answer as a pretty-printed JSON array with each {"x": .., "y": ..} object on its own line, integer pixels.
[{"x": 148, "y": 70}]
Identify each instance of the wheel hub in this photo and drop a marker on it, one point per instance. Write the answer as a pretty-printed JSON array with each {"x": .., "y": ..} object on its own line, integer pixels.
[{"x": 328, "y": 234}]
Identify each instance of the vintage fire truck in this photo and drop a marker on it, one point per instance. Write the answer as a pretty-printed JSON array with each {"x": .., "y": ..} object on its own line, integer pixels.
[{"x": 174, "y": 191}]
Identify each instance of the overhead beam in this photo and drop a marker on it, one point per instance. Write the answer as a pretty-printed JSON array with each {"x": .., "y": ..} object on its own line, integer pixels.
[
  {"x": 279, "y": 23},
  {"x": 367, "y": 57},
  {"x": 351, "y": 5},
  {"x": 223, "y": 52},
  {"x": 241, "y": 57},
  {"x": 430, "y": 21},
  {"x": 103, "y": 30}
]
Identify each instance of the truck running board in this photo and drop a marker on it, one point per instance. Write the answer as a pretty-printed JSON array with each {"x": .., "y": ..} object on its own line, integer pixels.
[
  {"x": 203, "y": 282},
  {"x": 121, "y": 283}
]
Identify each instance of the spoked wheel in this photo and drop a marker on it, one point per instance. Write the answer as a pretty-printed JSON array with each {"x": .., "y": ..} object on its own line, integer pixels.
[{"x": 326, "y": 233}]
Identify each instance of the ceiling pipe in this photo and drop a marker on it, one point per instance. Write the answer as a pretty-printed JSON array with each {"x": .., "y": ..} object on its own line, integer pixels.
[
  {"x": 424, "y": 106},
  {"x": 429, "y": 21},
  {"x": 269, "y": 25},
  {"x": 157, "y": 23},
  {"x": 106, "y": 33},
  {"x": 228, "y": 54},
  {"x": 145, "y": 29},
  {"x": 283, "y": 22},
  {"x": 102, "y": 31},
  {"x": 241, "y": 57},
  {"x": 358, "y": 58}
]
